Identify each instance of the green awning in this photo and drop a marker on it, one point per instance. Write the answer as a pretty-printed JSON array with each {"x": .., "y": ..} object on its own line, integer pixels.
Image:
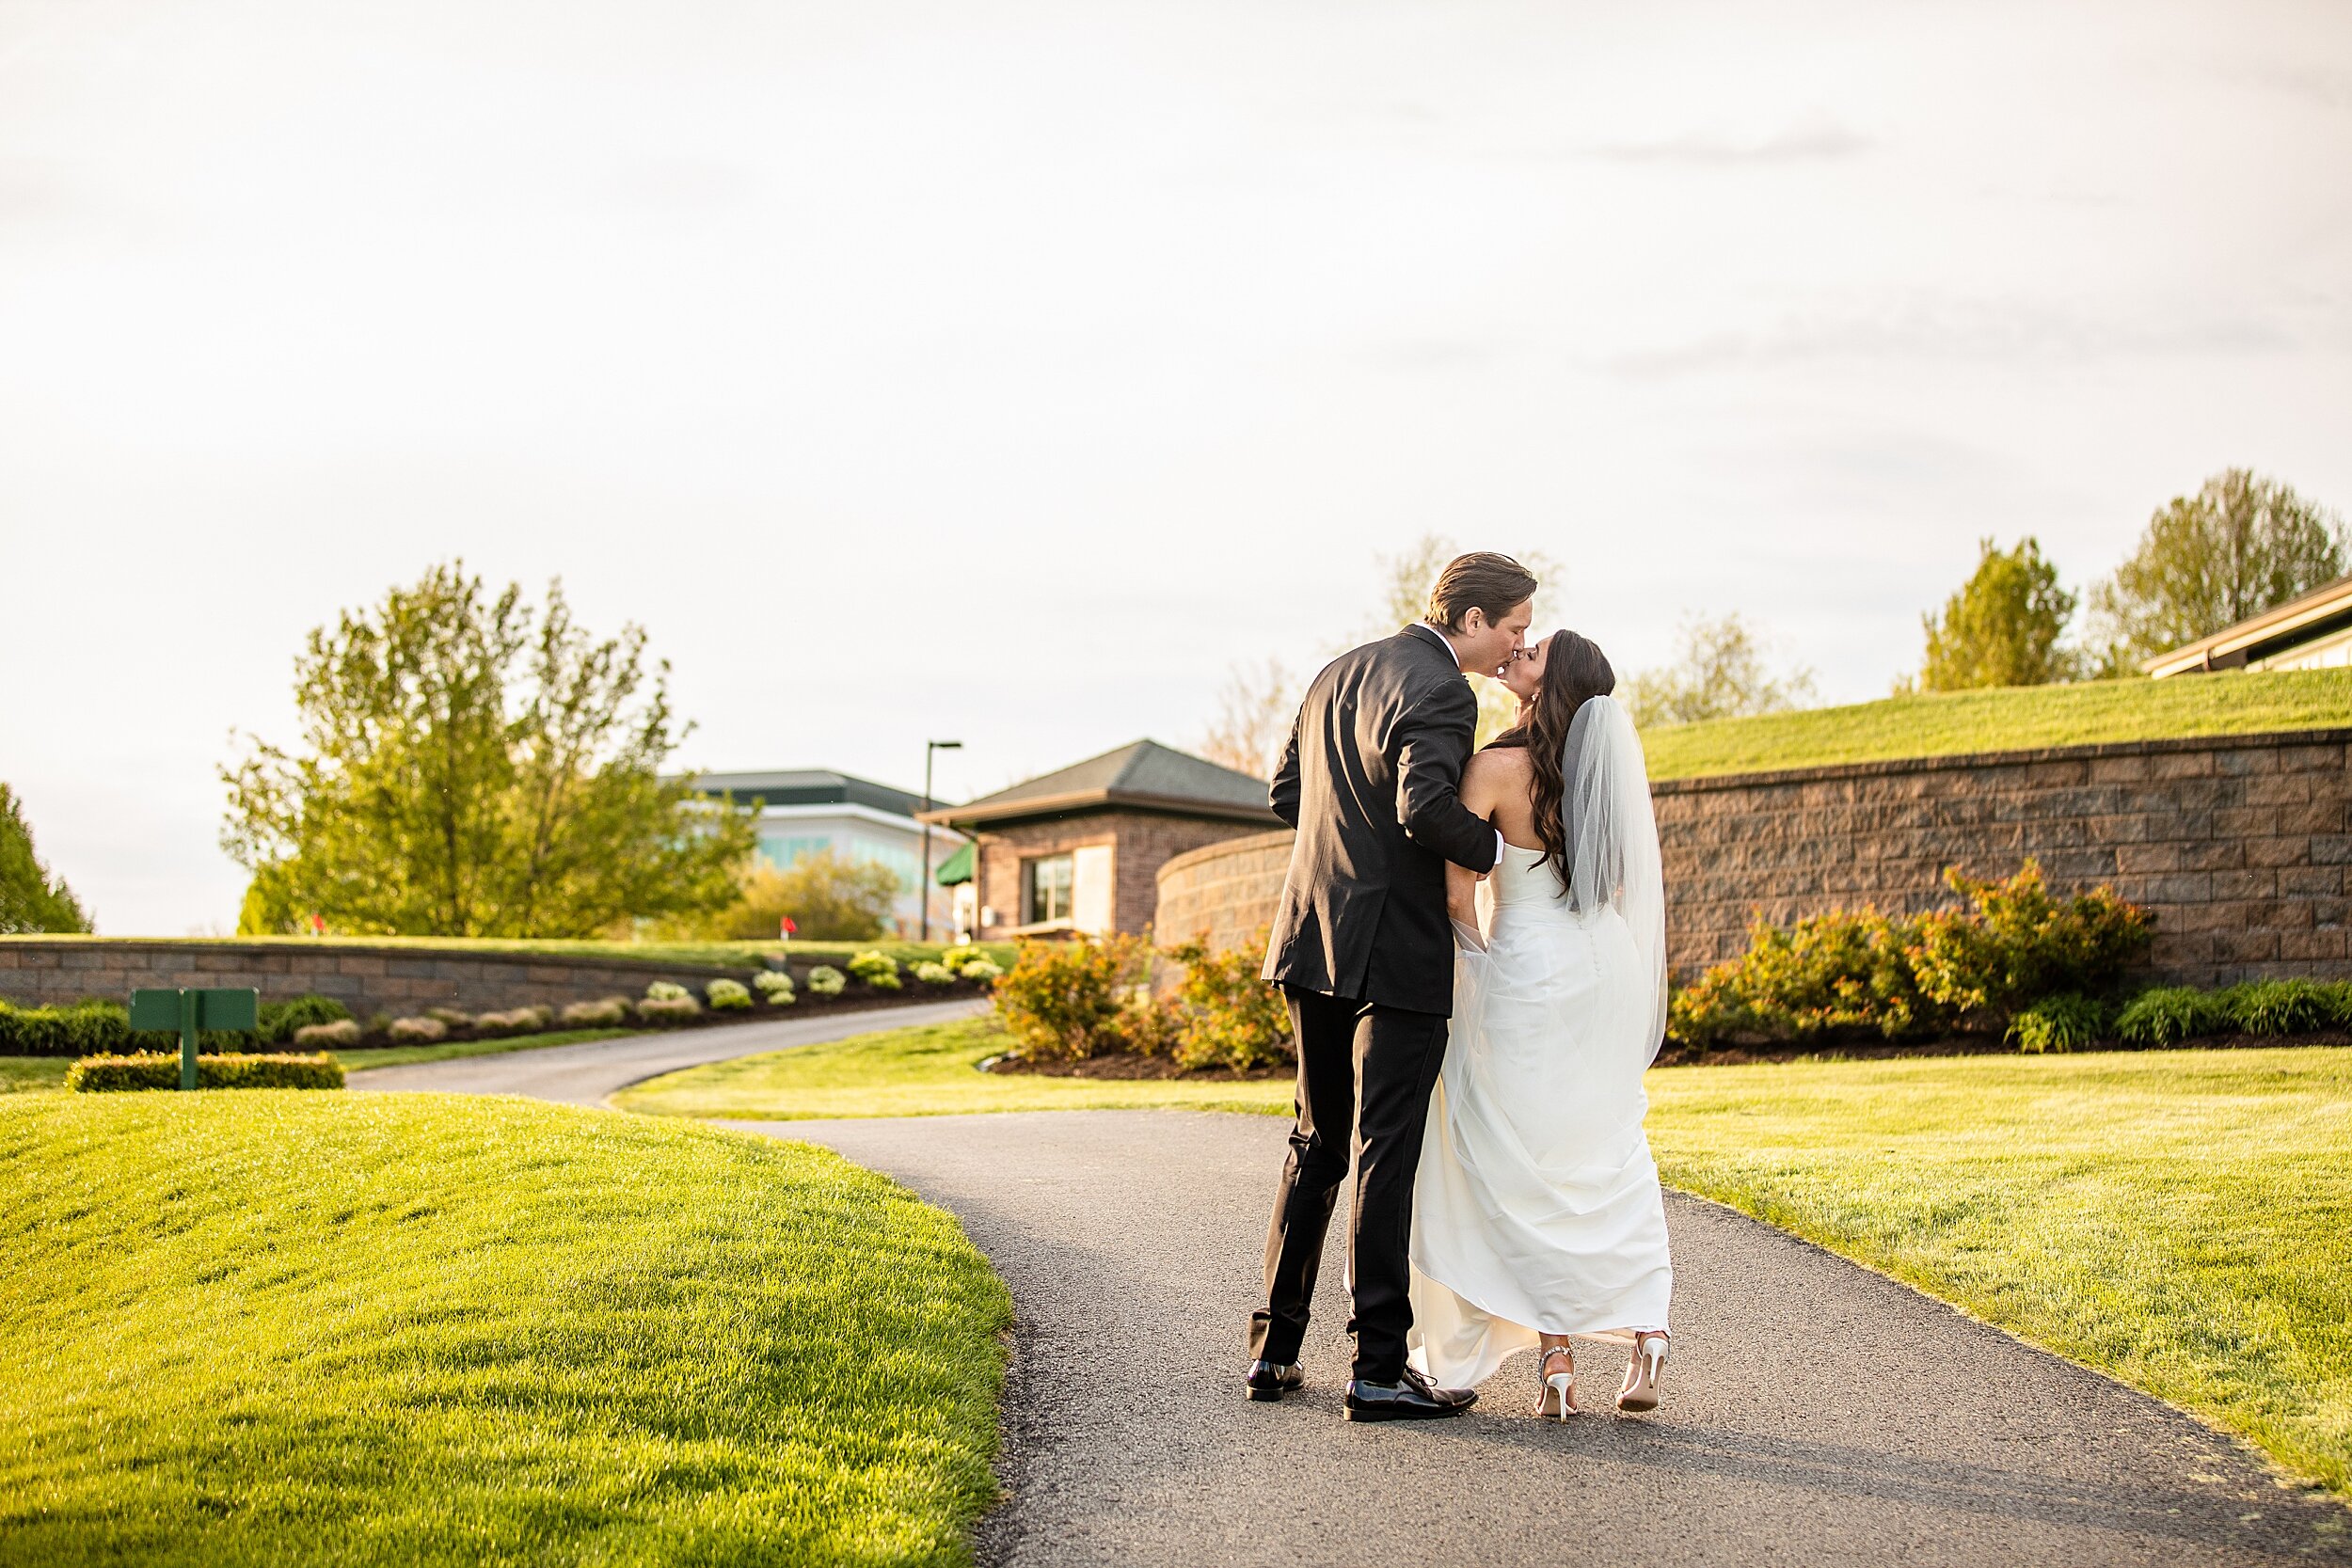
[{"x": 957, "y": 868}]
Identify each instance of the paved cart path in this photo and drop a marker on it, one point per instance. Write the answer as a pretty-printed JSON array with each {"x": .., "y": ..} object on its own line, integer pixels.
[
  {"x": 1816, "y": 1412},
  {"x": 585, "y": 1075}
]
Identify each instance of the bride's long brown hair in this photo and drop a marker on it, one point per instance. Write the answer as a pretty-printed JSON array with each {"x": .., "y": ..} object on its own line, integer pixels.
[{"x": 1575, "y": 669}]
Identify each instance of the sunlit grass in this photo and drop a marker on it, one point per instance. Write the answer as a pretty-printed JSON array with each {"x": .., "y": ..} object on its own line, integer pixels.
[
  {"x": 2182, "y": 1219},
  {"x": 2013, "y": 719},
  {"x": 915, "y": 1072},
  {"x": 2179, "y": 1219},
  {"x": 274, "y": 1327}
]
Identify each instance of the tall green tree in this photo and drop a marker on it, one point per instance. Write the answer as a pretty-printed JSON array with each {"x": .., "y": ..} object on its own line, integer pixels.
[
  {"x": 1721, "y": 671},
  {"x": 30, "y": 898},
  {"x": 471, "y": 765},
  {"x": 2241, "y": 545},
  {"x": 2006, "y": 626}
]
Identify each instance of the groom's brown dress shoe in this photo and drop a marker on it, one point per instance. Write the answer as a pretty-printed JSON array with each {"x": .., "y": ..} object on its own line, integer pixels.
[
  {"x": 1410, "y": 1398},
  {"x": 1270, "y": 1381}
]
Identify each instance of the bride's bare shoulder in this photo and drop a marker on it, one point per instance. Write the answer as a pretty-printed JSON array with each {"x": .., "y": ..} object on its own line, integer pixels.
[{"x": 1494, "y": 769}]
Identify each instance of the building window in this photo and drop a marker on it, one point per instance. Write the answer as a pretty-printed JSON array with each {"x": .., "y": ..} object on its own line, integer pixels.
[
  {"x": 1045, "y": 888},
  {"x": 783, "y": 852}
]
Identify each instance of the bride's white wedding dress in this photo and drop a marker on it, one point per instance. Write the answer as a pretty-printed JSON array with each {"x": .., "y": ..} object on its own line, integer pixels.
[{"x": 1538, "y": 1205}]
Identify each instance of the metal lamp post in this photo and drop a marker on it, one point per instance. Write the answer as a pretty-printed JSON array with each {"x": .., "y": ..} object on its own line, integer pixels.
[{"x": 923, "y": 895}]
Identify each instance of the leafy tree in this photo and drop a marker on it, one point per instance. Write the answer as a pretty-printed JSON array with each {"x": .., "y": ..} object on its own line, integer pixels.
[
  {"x": 30, "y": 898},
  {"x": 1720, "y": 673},
  {"x": 2004, "y": 626},
  {"x": 2240, "y": 545},
  {"x": 470, "y": 767},
  {"x": 1253, "y": 718},
  {"x": 830, "y": 899}
]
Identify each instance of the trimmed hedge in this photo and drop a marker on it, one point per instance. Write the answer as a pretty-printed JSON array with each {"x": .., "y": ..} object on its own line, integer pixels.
[
  {"x": 94, "y": 1027},
  {"x": 155, "y": 1070}
]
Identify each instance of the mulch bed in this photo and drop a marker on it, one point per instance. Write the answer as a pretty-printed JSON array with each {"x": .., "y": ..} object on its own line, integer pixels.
[{"x": 1127, "y": 1066}]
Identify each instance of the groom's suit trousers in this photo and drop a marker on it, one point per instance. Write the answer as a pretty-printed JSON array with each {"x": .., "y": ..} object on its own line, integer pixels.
[{"x": 1368, "y": 1070}]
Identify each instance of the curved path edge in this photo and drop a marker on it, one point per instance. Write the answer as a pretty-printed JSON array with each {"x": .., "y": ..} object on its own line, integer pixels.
[
  {"x": 588, "y": 1074},
  {"x": 1817, "y": 1412}
]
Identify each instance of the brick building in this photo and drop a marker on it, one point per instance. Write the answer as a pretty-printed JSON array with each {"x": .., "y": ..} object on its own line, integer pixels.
[{"x": 1079, "y": 851}]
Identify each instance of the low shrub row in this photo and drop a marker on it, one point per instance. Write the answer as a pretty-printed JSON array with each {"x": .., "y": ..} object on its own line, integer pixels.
[
  {"x": 322, "y": 1023},
  {"x": 2174, "y": 1015},
  {"x": 94, "y": 1027},
  {"x": 1073, "y": 1001},
  {"x": 159, "y": 1069},
  {"x": 1975, "y": 969}
]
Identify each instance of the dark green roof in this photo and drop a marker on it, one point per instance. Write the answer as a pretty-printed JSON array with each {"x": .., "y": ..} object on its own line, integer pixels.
[
  {"x": 956, "y": 867},
  {"x": 808, "y": 786},
  {"x": 1143, "y": 775}
]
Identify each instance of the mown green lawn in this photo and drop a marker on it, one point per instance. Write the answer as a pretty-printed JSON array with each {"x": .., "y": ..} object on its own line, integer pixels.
[
  {"x": 915, "y": 1072},
  {"x": 2181, "y": 1220},
  {"x": 2014, "y": 719},
  {"x": 272, "y": 1327},
  {"x": 20, "y": 1073}
]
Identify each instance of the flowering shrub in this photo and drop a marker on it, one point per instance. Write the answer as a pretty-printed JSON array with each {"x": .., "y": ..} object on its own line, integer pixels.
[
  {"x": 1971, "y": 968},
  {"x": 825, "y": 980},
  {"x": 877, "y": 970},
  {"x": 978, "y": 968},
  {"x": 776, "y": 986},
  {"x": 343, "y": 1032},
  {"x": 727, "y": 995},
  {"x": 935, "y": 975},
  {"x": 666, "y": 991},
  {"x": 418, "y": 1031},
  {"x": 1225, "y": 1015},
  {"x": 598, "y": 1015},
  {"x": 1064, "y": 1001},
  {"x": 669, "y": 1009},
  {"x": 959, "y": 955}
]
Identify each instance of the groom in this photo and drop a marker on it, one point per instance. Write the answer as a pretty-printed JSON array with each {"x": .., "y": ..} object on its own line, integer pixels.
[{"x": 1364, "y": 953}]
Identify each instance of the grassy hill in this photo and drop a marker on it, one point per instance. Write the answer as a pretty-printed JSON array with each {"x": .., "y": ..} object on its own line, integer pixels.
[
  {"x": 2008, "y": 720},
  {"x": 274, "y": 1327}
]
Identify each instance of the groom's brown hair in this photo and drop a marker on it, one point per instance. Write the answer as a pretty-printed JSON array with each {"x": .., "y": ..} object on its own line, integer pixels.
[{"x": 1480, "y": 581}]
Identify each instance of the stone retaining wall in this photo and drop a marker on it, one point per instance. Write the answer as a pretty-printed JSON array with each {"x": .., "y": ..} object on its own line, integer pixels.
[
  {"x": 368, "y": 980},
  {"x": 2241, "y": 846}
]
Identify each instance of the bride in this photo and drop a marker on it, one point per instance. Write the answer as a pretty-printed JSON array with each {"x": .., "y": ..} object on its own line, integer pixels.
[{"x": 1536, "y": 1214}]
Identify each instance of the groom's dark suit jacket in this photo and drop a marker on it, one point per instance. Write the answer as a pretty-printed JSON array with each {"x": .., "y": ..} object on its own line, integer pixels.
[{"x": 1371, "y": 780}]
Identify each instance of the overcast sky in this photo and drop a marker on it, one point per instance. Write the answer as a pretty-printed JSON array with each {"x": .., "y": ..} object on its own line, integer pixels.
[{"x": 1005, "y": 371}]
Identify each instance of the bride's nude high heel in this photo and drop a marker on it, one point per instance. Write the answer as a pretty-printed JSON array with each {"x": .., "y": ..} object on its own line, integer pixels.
[
  {"x": 1555, "y": 1392},
  {"x": 1640, "y": 1392}
]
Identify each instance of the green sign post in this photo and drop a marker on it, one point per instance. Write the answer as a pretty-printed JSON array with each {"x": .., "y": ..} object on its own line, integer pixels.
[{"x": 191, "y": 1010}]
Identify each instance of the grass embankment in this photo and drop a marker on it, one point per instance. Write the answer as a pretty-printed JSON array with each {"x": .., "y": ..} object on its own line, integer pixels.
[
  {"x": 275, "y": 1327},
  {"x": 708, "y": 954},
  {"x": 2179, "y": 1219},
  {"x": 915, "y": 1072},
  {"x": 2014, "y": 719}
]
